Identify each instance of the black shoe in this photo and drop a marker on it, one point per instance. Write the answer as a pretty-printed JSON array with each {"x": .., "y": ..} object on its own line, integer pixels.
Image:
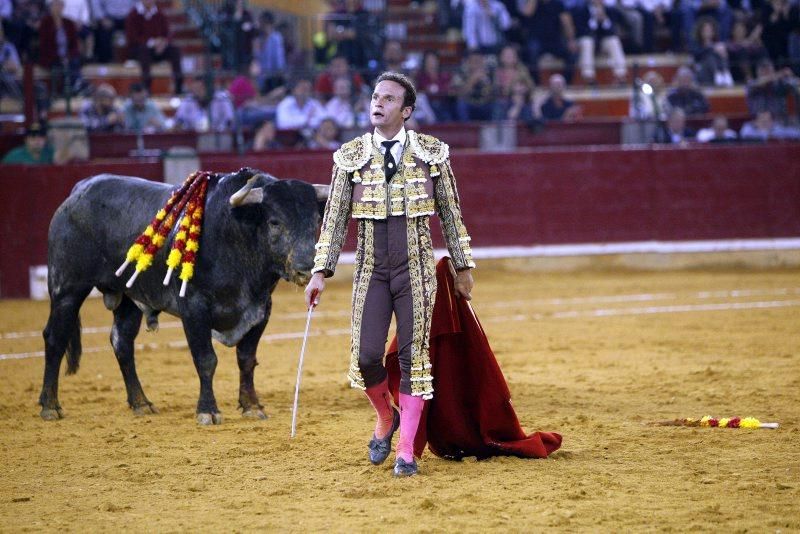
[
  {"x": 405, "y": 469},
  {"x": 379, "y": 449}
]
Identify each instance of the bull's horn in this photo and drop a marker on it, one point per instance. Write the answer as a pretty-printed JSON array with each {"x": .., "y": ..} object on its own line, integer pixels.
[
  {"x": 238, "y": 198},
  {"x": 323, "y": 191}
]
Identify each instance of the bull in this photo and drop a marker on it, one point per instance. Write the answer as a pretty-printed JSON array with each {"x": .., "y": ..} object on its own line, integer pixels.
[{"x": 257, "y": 230}]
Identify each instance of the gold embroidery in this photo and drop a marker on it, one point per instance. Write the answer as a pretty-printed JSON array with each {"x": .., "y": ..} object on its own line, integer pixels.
[
  {"x": 365, "y": 264},
  {"x": 423, "y": 292},
  {"x": 449, "y": 210},
  {"x": 334, "y": 224}
]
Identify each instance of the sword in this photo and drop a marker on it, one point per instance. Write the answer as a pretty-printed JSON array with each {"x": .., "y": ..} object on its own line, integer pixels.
[{"x": 300, "y": 365}]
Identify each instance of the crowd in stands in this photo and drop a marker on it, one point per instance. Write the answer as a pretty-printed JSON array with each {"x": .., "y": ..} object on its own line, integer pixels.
[{"x": 324, "y": 95}]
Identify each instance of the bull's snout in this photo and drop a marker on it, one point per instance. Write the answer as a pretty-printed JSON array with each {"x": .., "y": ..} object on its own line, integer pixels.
[{"x": 298, "y": 267}]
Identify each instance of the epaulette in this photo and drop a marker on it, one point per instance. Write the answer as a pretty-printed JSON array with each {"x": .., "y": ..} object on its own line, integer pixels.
[
  {"x": 428, "y": 148},
  {"x": 354, "y": 154}
]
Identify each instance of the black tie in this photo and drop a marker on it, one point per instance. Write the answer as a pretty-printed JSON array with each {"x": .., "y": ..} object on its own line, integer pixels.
[{"x": 389, "y": 164}]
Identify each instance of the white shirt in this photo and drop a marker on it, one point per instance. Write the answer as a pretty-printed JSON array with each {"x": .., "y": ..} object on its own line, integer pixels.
[
  {"x": 397, "y": 148},
  {"x": 341, "y": 111},
  {"x": 290, "y": 116}
]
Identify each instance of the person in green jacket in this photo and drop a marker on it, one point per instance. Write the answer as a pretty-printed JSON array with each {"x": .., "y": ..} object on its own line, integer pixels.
[{"x": 35, "y": 151}]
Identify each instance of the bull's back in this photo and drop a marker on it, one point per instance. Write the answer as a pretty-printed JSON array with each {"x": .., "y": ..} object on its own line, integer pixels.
[{"x": 102, "y": 216}]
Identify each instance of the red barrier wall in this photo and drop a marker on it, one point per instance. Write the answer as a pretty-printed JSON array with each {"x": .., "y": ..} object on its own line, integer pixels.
[
  {"x": 532, "y": 196},
  {"x": 30, "y": 195}
]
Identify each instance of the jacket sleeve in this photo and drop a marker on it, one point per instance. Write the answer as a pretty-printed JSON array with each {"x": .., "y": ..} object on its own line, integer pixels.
[
  {"x": 449, "y": 210},
  {"x": 334, "y": 223}
]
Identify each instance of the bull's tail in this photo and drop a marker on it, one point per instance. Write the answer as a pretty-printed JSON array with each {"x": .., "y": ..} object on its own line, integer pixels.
[{"x": 74, "y": 348}]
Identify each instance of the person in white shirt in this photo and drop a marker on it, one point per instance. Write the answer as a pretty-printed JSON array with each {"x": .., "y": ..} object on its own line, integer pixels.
[
  {"x": 483, "y": 25},
  {"x": 718, "y": 132},
  {"x": 340, "y": 107},
  {"x": 299, "y": 111}
]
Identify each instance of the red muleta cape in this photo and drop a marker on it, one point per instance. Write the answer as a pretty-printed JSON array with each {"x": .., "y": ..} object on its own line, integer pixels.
[{"x": 470, "y": 413}]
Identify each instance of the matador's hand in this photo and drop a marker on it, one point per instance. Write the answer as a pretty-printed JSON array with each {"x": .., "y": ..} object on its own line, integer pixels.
[
  {"x": 464, "y": 284},
  {"x": 314, "y": 289}
]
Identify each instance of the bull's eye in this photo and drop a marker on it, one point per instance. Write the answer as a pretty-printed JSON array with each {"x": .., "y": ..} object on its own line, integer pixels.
[{"x": 275, "y": 223}]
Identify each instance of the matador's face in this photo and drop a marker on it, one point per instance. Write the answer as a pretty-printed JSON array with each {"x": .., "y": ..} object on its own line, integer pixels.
[{"x": 386, "y": 108}]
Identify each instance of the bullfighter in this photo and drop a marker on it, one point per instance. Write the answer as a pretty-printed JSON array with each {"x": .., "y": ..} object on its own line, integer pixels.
[{"x": 392, "y": 181}]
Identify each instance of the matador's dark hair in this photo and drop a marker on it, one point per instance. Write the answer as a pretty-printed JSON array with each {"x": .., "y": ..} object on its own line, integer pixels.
[{"x": 410, "y": 96}]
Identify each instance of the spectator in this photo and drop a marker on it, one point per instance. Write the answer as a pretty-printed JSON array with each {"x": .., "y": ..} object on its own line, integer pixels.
[
  {"x": 557, "y": 107},
  {"x": 770, "y": 91},
  {"x": 474, "y": 89},
  {"x": 764, "y": 128},
  {"x": 253, "y": 111},
  {"x": 688, "y": 11},
  {"x": 324, "y": 45},
  {"x": 238, "y": 32},
  {"x": 150, "y": 40},
  {"x": 326, "y": 136},
  {"x": 435, "y": 83},
  {"x": 192, "y": 112},
  {"x": 35, "y": 151},
  {"x": 780, "y": 21},
  {"x": 550, "y": 30},
  {"x": 10, "y": 68},
  {"x": 658, "y": 14},
  {"x": 59, "y": 52},
  {"x": 632, "y": 17},
  {"x": 393, "y": 57},
  {"x": 241, "y": 90},
  {"x": 718, "y": 132},
  {"x": 710, "y": 55},
  {"x": 80, "y": 12},
  {"x": 518, "y": 105},
  {"x": 266, "y": 138},
  {"x": 23, "y": 26},
  {"x": 651, "y": 102},
  {"x": 593, "y": 26},
  {"x": 270, "y": 54},
  {"x": 509, "y": 72},
  {"x": 338, "y": 68},
  {"x": 674, "y": 130},
  {"x": 221, "y": 112},
  {"x": 101, "y": 114},
  {"x": 299, "y": 111},
  {"x": 351, "y": 33},
  {"x": 483, "y": 25},
  {"x": 141, "y": 113},
  {"x": 340, "y": 107},
  {"x": 744, "y": 52},
  {"x": 109, "y": 17},
  {"x": 685, "y": 94}
]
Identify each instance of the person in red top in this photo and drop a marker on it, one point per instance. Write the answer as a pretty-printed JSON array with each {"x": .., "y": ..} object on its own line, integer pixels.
[
  {"x": 149, "y": 38},
  {"x": 337, "y": 68},
  {"x": 58, "y": 45}
]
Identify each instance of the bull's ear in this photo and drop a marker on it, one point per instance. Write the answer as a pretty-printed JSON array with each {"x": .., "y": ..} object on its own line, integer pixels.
[
  {"x": 248, "y": 194},
  {"x": 323, "y": 191}
]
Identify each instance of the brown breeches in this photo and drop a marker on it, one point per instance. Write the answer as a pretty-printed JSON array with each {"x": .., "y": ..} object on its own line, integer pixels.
[{"x": 389, "y": 292}]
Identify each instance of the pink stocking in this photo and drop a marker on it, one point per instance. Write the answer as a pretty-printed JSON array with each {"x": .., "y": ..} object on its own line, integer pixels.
[
  {"x": 410, "y": 413},
  {"x": 381, "y": 400}
]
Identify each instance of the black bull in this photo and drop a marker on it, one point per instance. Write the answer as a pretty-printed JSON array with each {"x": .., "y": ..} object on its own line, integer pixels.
[{"x": 256, "y": 230}]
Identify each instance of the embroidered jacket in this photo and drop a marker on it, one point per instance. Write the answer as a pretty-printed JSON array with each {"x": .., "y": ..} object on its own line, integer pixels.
[{"x": 423, "y": 185}]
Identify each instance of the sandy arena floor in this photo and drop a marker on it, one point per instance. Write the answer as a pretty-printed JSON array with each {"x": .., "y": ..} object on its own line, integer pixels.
[{"x": 594, "y": 356}]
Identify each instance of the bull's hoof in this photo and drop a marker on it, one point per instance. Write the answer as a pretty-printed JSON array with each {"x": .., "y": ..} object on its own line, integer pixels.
[
  {"x": 209, "y": 418},
  {"x": 144, "y": 409},
  {"x": 52, "y": 414},
  {"x": 254, "y": 413}
]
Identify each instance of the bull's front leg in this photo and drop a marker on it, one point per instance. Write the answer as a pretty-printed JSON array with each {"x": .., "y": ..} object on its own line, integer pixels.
[
  {"x": 246, "y": 356},
  {"x": 198, "y": 334}
]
